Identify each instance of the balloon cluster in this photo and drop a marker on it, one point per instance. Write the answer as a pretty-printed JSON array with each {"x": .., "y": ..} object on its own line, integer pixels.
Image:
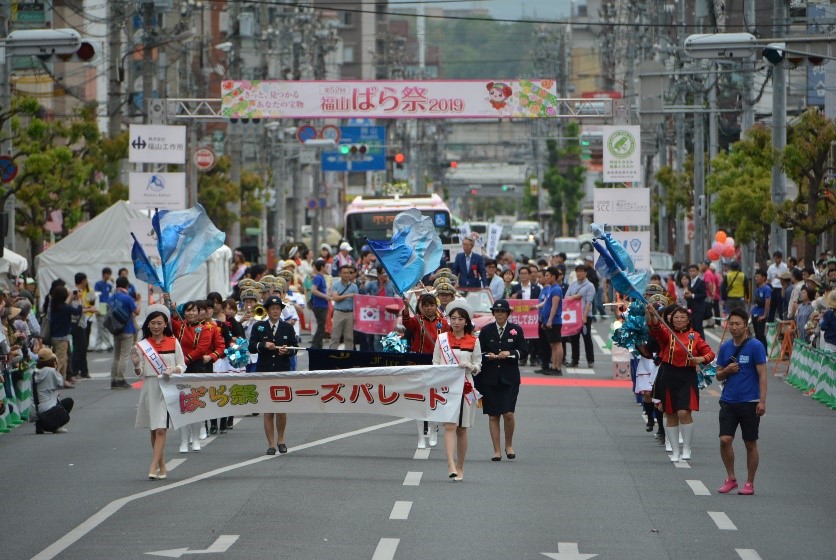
[
  {"x": 723, "y": 247},
  {"x": 633, "y": 331},
  {"x": 394, "y": 342},
  {"x": 238, "y": 353}
]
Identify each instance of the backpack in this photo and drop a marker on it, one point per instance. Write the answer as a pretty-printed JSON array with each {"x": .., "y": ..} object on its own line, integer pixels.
[{"x": 117, "y": 317}]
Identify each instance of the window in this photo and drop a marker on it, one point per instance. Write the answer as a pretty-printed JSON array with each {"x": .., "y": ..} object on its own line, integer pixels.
[
  {"x": 348, "y": 54},
  {"x": 347, "y": 19}
]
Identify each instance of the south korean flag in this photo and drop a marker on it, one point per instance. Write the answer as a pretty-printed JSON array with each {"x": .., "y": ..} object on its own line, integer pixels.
[{"x": 370, "y": 314}]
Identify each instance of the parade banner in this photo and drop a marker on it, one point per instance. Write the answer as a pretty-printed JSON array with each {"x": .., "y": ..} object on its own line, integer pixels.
[
  {"x": 323, "y": 359},
  {"x": 494, "y": 235},
  {"x": 431, "y": 393},
  {"x": 436, "y": 99},
  {"x": 371, "y": 316},
  {"x": 622, "y": 154},
  {"x": 525, "y": 314}
]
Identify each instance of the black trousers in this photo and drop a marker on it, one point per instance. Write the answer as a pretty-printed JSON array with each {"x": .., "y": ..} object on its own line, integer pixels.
[
  {"x": 776, "y": 305},
  {"x": 760, "y": 331},
  {"x": 575, "y": 343},
  {"x": 81, "y": 341},
  {"x": 321, "y": 315}
]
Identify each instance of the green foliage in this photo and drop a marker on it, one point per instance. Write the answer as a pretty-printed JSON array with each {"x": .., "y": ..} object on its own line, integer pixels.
[
  {"x": 805, "y": 161},
  {"x": 564, "y": 180},
  {"x": 65, "y": 165},
  {"x": 678, "y": 197},
  {"x": 216, "y": 189},
  {"x": 741, "y": 179}
]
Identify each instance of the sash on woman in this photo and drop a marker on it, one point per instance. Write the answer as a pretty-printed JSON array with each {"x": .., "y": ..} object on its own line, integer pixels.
[
  {"x": 156, "y": 361},
  {"x": 470, "y": 394}
]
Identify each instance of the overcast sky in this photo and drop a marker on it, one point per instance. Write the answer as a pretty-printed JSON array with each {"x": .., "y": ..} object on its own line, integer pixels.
[{"x": 513, "y": 9}]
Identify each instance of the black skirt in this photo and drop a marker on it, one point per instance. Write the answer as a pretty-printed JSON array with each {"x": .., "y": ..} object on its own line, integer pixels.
[
  {"x": 678, "y": 389},
  {"x": 499, "y": 399}
]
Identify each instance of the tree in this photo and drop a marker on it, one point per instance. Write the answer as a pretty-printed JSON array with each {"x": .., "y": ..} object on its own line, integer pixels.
[
  {"x": 806, "y": 162},
  {"x": 216, "y": 189},
  {"x": 564, "y": 180},
  {"x": 741, "y": 178},
  {"x": 65, "y": 165}
]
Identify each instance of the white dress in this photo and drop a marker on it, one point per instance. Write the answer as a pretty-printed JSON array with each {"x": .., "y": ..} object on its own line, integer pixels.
[
  {"x": 646, "y": 371},
  {"x": 151, "y": 411},
  {"x": 467, "y": 413}
]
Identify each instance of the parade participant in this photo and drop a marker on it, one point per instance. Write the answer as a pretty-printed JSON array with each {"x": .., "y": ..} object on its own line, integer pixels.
[
  {"x": 289, "y": 314},
  {"x": 681, "y": 348},
  {"x": 503, "y": 348},
  {"x": 319, "y": 302},
  {"x": 270, "y": 339},
  {"x": 422, "y": 331},
  {"x": 508, "y": 283},
  {"x": 742, "y": 368},
  {"x": 342, "y": 293},
  {"x": 493, "y": 280},
  {"x": 469, "y": 267},
  {"x": 459, "y": 347},
  {"x": 762, "y": 303},
  {"x": 246, "y": 316},
  {"x": 46, "y": 382},
  {"x": 157, "y": 354},
  {"x": 550, "y": 310}
]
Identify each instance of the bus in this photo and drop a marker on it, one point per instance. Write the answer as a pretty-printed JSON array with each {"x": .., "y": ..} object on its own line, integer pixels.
[{"x": 371, "y": 217}]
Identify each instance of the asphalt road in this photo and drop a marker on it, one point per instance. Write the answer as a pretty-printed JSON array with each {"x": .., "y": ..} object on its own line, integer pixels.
[{"x": 588, "y": 482}]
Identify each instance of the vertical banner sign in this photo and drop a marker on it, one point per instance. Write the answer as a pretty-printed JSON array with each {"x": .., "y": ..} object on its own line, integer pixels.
[
  {"x": 637, "y": 244},
  {"x": 166, "y": 191},
  {"x": 494, "y": 235},
  {"x": 156, "y": 143},
  {"x": 622, "y": 154},
  {"x": 622, "y": 207}
]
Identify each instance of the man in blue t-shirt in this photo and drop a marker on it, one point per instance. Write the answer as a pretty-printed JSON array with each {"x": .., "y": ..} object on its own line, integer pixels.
[
  {"x": 550, "y": 320},
  {"x": 319, "y": 302},
  {"x": 761, "y": 305},
  {"x": 124, "y": 341},
  {"x": 742, "y": 367}
]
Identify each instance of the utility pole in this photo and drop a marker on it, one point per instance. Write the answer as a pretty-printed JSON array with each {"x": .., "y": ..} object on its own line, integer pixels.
[
  {"x": 149, "y": 23},
  {"x": 5, "y": 105},
  {"x": 778, "y": 235},
  {"x": 233, "y": 141},
  {"x": 681, "y": 232},
  {"x": 748, "y": 257},
  {"x": 115, "y": 18}
]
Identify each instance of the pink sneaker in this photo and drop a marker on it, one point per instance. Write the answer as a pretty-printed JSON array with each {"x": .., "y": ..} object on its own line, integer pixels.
[
  {"x": 747, "y": 490},
  {"x": 728, "y": 486}
]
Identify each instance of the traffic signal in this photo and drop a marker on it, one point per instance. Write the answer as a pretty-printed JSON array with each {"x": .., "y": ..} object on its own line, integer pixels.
[
  {"x": 586, "y": 149},
  {"x": 508, "y": 188},
  {"x": 399, "y": 160},
  {"x": 353, "y": 149},
  {"x": 474, "y": 191},
  {"x": 796, "y": 53},
  {"x": 454, "y": 164},
  {"x": 64, "y": 44},
  {"x": 85, "y": 53}
]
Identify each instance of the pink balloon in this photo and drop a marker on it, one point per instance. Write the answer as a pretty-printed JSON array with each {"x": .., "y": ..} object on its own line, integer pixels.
[
  {"x": 717, "y": 247},
  {"x": 730, "y": 241}
]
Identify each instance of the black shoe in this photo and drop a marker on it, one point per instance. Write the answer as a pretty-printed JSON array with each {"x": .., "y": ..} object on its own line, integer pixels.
[
  {"x": 590, "y": 365},
  {"x": 38, "y": 428},
  {"x": 271, "y": 450},
  {"x": 120, "y": 384},
  {"x": 555, "y": 372},
  {"x": 565, "y": 362},
  {"x": 573, "y": 364},
  {"x": 86, "y": 376},
  {"x": 544, "y": 371},
  {"x": 213, "y": 430},
  {"x": 282, "y": 448}
]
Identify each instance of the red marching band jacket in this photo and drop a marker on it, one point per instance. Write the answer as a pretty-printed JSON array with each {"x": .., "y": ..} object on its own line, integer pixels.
[
  {"x": 673, "y": 353},
  {"x": 199, "y": 339},
  {"x": 424, "y": 331}
]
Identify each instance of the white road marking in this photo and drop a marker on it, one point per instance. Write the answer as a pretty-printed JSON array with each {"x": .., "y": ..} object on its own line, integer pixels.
[
  {"x": 698, "y": 488},
  {"x": 579, "y": 370},
  {"x": 711, "y": 335},
  {"x": 747, "y": 554},
  {"x": 568, "y": 551},
  {"x": 413, "y": 478},
  {"x": 386, "y": 549},
  {"x": 173, "y": 464},
  {"x": 601, "y": 344},
  {"x": 401, "y": 510},
  {"x": 722, "y": 521},
  {"x": 682, "y": 465},
  {"x": 421, "y": 454},
  {"x": 220, "y": 545},
  {"x": 113, "y": 507}
]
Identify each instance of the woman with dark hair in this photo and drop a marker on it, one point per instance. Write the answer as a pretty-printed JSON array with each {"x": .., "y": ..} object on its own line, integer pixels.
[
  {"x": 459, "y": 347},
  {"x": 157, "y": 355},
  {"x": 61, "y": 316},
  {"x": 681, "y": 350},
  {"x": 47, "y": 381}
]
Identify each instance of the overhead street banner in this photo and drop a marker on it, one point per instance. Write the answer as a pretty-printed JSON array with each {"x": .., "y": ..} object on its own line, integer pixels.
[
  {"x": 622, "y": 154},
  {"x": 165, "y": 191},
  {"x": 431, "y": 393},
  {"x": 622, "y": 207},
  {"x": 406, "y": 99}
]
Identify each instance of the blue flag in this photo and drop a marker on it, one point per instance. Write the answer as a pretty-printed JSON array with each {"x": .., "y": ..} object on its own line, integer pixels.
[
  {"x": 414, "y": 250},
  {"x": 185, "y": 239},
  {"x": 143, "y": 268},
  {"x": 631, "y": 285}
]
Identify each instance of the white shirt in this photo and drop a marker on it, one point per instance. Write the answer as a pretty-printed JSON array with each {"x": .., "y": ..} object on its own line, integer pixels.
[
  {"x": 774, "y": 271},
  {"x": 525, "y": 291}
]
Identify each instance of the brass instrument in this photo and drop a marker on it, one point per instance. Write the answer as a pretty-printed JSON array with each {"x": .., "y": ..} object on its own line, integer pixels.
[{"x": 259, "y": 313}]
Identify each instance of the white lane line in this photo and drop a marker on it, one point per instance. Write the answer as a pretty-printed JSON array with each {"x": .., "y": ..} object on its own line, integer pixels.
[
  {"x": 173, "y": 464},
  {"x": 601, "y": 344},
  {"x": 722, "y": 521},
  {"x": 748, "y": 554},
  {"x": 401, "y": 510},
  {"x": 698, "y": 488},
  {"x": 682, "y": 465},
  {"x": 412, "y": 478},
  {"x": 386, "y": 549},
  {"x": 712, "y": 336},
  {"x": 113, "y": 507},
  {"x": 421, "y": 454}
]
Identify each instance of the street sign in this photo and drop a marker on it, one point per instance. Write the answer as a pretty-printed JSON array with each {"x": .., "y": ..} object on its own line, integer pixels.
[
  {"x": 157, "y": 190},
  {"x": 304, "y": 133},
  {"x": 374, "y": 158},
  {"x": 330, "y": 132},
  {"x": 204, "y": 159},
  {"x": 8, "y": 169},
  {"x": 157, "y": 144}
]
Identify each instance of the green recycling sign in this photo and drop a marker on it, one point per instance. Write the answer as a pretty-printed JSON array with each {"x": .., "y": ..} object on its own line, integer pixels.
[{"x": 622, "y": 154}]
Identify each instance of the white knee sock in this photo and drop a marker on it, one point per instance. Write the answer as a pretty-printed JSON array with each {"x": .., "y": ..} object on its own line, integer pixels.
[
  {"x": 687, "y": 435},
  {"x": 672, "y": 435}
]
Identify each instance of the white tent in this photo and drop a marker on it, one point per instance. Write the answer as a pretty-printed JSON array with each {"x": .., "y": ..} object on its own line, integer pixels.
[
  {"x": 106, "y": 241},
  {"x": 11, "y": 264}
]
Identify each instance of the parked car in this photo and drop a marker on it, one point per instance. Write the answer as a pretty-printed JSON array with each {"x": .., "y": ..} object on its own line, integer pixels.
[
  {"x": 526, "y": 231},
  {"x": 519, "y": 249},
  {"x": 661, "y": 264}
]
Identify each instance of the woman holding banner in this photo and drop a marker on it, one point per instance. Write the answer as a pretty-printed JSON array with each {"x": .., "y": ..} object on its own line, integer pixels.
[
  {"x": 461, "y": 348},
  {"x": 157, "y": 355}
]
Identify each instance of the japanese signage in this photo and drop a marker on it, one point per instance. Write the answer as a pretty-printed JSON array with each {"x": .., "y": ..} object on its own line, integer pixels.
[
  {"x": 157, "y": 143},
  {"x": 371, "y": 315},
  {"x": 637, "y": 244},
  {"x": 389, "y": 99},
  {"x": 366, "y": 147},
  {"x": 492, "y": 246},
  {"x": 622, "y": 154},
  {"x": 166, "y": 191},
  {"x": 431, "y": 393},
  {"x": 525, "y": 315},
  {"x": 622, "y": 207}
]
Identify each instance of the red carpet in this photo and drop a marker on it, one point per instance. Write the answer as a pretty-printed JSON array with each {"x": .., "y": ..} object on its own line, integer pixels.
[{"x": 578, "y": 382}]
